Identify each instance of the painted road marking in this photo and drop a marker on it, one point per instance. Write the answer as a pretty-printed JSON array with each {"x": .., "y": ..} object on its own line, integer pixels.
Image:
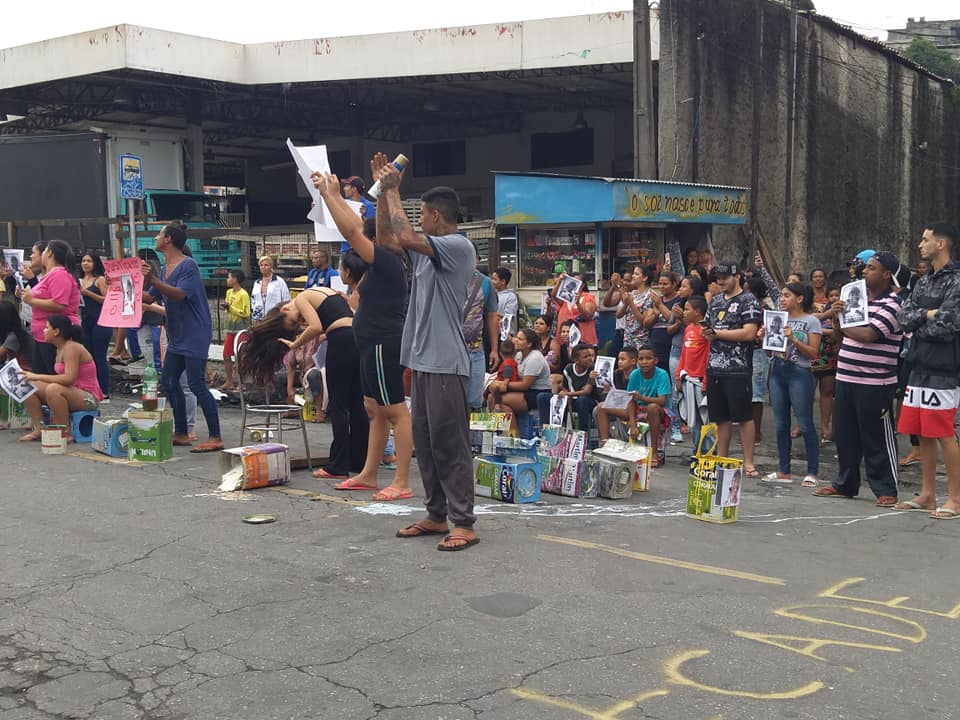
[
  {"x": 611, "y": 713},
  {"x": 669, "y": 562}
]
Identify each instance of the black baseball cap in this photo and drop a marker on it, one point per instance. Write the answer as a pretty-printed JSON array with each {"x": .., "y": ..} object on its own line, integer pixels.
[
  {"x": 726, "y": 268},
  {"x": 890, "y": 262}
]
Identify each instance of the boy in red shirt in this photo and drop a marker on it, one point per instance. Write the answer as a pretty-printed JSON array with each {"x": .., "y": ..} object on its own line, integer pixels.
[
  {"x": 508, "y": 371},
  {"x": 692, "y": 368}
]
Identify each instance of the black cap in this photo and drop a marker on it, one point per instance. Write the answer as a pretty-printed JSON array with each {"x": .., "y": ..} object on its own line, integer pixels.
[
  {"x": 890, "y": 262},
  {"x": 726, "y": 268}
]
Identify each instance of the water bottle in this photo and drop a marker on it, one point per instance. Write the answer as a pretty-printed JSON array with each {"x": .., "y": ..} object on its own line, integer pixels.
[
  {"x": 150, "y": 388},
  {"x": 400, "y": 162}
]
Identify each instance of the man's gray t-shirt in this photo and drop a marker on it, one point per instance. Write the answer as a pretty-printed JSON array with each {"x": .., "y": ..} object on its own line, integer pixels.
[
  {"x": 433, "y": 331},
  {"x": 509, "y": 305}
]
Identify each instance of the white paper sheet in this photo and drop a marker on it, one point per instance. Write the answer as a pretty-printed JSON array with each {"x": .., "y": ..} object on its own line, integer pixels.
[
  {"x": 310, "y": 159},
  {"x": 617, "y": 400}
]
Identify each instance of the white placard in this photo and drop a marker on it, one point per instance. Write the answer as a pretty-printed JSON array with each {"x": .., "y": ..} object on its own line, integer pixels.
[
  {"x": 618, "y": 400},
  {"x": 774, "y": 321},
  {"x": 13, "y": 384},
  {"x": 604, "y": 366},
  {"x": 854, "y": 297},
  {"x": 569, "y": 289},
  {"x": 558, "y": 406},
  {"x": 310, "y": 159},
  {"x": 573, "y": 339}
]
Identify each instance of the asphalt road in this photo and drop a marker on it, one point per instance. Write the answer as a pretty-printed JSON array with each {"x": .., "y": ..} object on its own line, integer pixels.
[{"x": 137, "y": 592}]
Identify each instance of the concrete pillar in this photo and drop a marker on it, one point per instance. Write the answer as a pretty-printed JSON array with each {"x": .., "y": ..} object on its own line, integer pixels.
[{"x": 194, "y": 117}]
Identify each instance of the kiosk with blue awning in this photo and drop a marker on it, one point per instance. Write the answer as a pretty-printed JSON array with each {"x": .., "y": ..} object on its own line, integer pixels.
[{"x": 548, "y": 223}]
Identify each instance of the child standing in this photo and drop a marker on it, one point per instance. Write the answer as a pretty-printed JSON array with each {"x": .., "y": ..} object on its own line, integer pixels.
[
  {"x": 692, "y": 368},
  {"x": 237, "y": 305},
  {"x": 792, "y": 383}
]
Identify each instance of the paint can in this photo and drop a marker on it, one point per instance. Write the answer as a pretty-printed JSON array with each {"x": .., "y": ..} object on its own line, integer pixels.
[{"x": 53, "y": 440}]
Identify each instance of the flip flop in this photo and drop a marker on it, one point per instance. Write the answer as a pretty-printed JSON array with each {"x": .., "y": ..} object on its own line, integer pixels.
[
  {"x": 886, "y": 501},
  {"x": 418, "y": 530},
  {"x": 752, "y": 473},
  {"x": 351, "y": 484},
  {"x": 908, "y": 461},
  {"x": 182, "y": 441},
  {"x": 391, "y": 493},
  {"x": 208, "y": 446},
  {"x": 911, "y": 506},
  {"x": 944, "y": 513},
  {"x": 467, "y": 542}
]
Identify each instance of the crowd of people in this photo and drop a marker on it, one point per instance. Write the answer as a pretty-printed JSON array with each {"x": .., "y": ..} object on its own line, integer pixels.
[{"x": 420, "y": 320}]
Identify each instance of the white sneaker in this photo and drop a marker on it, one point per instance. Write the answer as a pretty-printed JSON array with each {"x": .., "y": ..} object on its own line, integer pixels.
[{"x": 676, "y": 438}]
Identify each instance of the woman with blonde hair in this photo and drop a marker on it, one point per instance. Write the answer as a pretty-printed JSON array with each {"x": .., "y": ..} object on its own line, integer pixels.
[{"x": 268, "y": 292}]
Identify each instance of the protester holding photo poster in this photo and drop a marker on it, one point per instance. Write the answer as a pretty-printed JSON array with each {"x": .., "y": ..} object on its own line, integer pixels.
[{"x": 582, "y": 309}]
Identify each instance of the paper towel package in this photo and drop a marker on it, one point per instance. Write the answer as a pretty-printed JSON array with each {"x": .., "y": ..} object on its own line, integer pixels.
[
  {"x": 254, "y": 466},
  {"x": 639, "y": 455},
  {"x": 508, "y": 479},
  {"x": 110, "y": 437},
  {"x": 570, "y": 478},
  {"x": 494, "y": 422},
  {"x": 613, "y": 478},
  {"x": 481, "y": 442}
]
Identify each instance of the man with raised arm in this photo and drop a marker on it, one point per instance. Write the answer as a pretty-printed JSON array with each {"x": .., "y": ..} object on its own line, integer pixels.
[{"x": 433, "y": 347}]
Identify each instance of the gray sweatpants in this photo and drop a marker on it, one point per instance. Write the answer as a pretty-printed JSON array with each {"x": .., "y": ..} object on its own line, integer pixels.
[{"x": 441, "y": 436}]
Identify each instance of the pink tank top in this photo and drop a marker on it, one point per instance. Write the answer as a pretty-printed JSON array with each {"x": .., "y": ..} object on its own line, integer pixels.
[{"x": 86, "y": 378}]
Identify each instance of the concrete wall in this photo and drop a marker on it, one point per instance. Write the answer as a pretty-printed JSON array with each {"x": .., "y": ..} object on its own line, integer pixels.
[{"x": 877, "y": 150}]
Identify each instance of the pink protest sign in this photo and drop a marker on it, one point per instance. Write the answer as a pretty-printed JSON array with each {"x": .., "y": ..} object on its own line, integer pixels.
[{"x": 123, "y": 306}]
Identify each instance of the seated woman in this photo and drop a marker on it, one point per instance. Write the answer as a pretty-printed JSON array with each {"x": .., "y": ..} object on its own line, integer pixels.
[
  {"x": 319, "y": 311},
  {"x": 520, "y": 395},
  {"x": 73, "y": 387}
]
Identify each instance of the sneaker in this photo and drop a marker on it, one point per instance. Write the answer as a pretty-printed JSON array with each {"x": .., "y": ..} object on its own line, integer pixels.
[
  {"x": 105, "y": 401},
  {"x": 676, "y": 438}
]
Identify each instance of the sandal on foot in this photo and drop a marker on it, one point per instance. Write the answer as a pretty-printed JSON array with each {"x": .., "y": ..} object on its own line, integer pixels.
[
  {"x": 831, "y": 491},
  {"x": 809, "y": 481},
  {"x": 182, "y": 440},
  {"x": 909, "y": 460},
  {"x": 751, "y": 472},
  {"x": 944, "y": 513},
  {"x": 31, "y": 436},
  {"x": 886, "y": 501},
  {"x": 208, "y": 446},
  {"x": 912, "y": 506},
  {"x": 391, "y": 493},
  {"x": 775, "y": 479},
  {"x": 322, "y": 473},
  {"x": 418, "y": 529},
  {"x": 348, "y": 484},
  {"x": 456, "y": 543}
]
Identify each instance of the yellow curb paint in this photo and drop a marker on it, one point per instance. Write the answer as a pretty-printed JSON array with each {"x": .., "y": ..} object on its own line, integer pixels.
[{"x": 670, "y": 562}]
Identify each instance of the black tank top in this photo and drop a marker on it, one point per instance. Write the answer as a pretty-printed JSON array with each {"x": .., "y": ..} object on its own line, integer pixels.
[{"x": 333, "y": 308}]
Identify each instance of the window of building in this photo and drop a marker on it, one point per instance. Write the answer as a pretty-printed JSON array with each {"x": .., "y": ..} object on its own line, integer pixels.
[
  {"x": 561, "y": 149},
  {"x": 440, "y": 158}
]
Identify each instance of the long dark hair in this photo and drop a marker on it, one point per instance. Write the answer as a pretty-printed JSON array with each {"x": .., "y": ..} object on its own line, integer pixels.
[
  {"x": 67, "y": 330},
  {"x": 98, "y": 270},
  {"x": 10, "y": 323},
  {"x": 354, "y": 264},
  {"x": 531, "y": 337},
  {"x": 804, "y": 292},
  {"x": 262, "y": 355},
  {"x": 62, "y": 254}
]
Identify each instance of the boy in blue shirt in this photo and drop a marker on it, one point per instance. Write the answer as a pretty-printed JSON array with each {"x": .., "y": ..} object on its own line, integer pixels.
[{"x": 650, "y": 386}]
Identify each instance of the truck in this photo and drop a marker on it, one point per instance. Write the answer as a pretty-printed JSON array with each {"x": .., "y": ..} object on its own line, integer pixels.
[{"x": 72, "y": 181}]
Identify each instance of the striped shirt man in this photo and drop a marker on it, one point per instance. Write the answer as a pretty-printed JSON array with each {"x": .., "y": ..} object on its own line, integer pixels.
[{"x": 873, "y": 363}]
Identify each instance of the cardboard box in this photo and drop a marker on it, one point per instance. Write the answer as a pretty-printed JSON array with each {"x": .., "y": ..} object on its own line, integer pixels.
[
  {"x": 613, "y": 478},
  {"x": 13, "y": 415},
  {"x": 150, "y": 435},
  {"x": 514, "y": 447},
  {"x": 481, "y": 442},
  {"x": 508, "y": 479},
  {"x": 714, "y": 489},
  {"x": 110, "y": 437},
  {"x": 640, "y": 455},
  {"x": 493, "y": 422},
  {"x": 571, "y": 479},
  {"x": 254, "y": 466},
  {"x": 563, "y": 443}
]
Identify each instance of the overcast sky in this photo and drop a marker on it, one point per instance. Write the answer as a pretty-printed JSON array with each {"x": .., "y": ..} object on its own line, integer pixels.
[{"x": 25, "y": 22}]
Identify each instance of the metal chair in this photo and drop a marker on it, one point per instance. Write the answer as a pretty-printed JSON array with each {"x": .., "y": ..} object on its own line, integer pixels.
[{"x": 267, "y": 418}]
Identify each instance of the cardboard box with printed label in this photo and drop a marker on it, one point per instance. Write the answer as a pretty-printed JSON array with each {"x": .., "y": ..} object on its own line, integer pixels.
[
  {"x": 110, "y": 437},
  {"x": 640, "y": 455},
  {"x": 508, "y": 479},
  {"x": 481, "y": 442},
  {"x": 254, "y": 466},
  {"x": 150, "y": 435},
  {"x": 493, "y": 422},
  {"x": 571, "y": 479},
  {"x": 612, "y": 478},
  {"x": 713, "y": 489}
]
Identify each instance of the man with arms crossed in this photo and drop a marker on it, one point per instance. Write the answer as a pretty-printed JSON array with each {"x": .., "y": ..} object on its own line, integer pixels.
[
  {"x": 433, "y": 347},
  {"x": 733, "y": 319},
  {"x": 932, "y": 314}
]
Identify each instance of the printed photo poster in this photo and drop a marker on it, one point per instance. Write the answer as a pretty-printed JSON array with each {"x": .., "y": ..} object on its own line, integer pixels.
[
  {"x": 728, "y": 487},
  {"x": 123, "y": 305},
  {"x": 618, "y": 400},
  {"x": 505, "y": 326},
  {"x": 558, "y": 408},
  {"x": 13, "y": 383},
  {"x": 774, "y": 321},
  {"x": 574, "y": 337},
  {"x": 604, "y": 366},
  {"x": 569, "y": 289},
  {"x": 854, "y": 298}
]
